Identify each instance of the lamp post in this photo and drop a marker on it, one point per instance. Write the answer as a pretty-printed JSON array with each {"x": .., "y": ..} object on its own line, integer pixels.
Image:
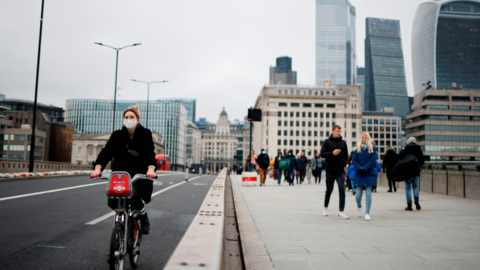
[
  {"x": 116, "y": 72},
  {"x": 32, "y": 145},
  {"x": 148, "y": 93}
]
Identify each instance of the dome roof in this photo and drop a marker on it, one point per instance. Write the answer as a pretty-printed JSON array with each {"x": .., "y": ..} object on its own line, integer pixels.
[{"x": 223, "y": 112}]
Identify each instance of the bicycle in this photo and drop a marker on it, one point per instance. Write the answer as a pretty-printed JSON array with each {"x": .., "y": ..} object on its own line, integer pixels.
[{"x": 126, "y": 237}]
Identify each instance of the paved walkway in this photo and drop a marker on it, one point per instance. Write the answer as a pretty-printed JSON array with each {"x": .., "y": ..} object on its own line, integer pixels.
[{"x": 445, "y": 234}]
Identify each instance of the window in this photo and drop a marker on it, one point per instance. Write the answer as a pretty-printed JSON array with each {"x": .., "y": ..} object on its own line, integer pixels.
[
  {"x": 375, "y": 128},
  {"x": 279, "y": 133},
  {"x": 294, "y": 104},
  {"x": 285, "y": 114},
  {"x": 315, "y": 124},
  {"x": 298, "y": 114},
  {"x": 321, "y": 123},
  {"x": 364, "y": 128},
  {"x": 291, "y": 132},
  {"x": 303, "y": 123},
  {"x": 303, "y": 133},
  {"x": 327, "y": 133},
  {"x": 333, "y": 115},
  {"x": 388, "y": 121},
  {"x": 291, "y": 114},
  {"x": 375, "y": 135},
  {"x": 307, "y": 105},
  {"x": 319, "y": 105},
  {"x": 298, "y": 123},
  {"x": 394, "y": 143},
  {"x": 327, "y": 115},
  {"x": 394, "y": 121},
  {"x": 382, "y": 128},
  {"x": 315, "y": 133},
  {"x": 370, "y": 128},
  {"x": 382, "y": 121},
  {"x": 321, "y": 115},
  {"x": 291, "y": 123},
  {"x": 382, "y": 135},
  {"x": 315, "y": 143},
  {"x": 315, "y": 114},
  {"x": 309, "y": 143},
  {"x": 279, "y": 114},
  {"x": 297, "y": 142},
  {"x": 394, "y": 129},
  {"x": 354, "y": 135},
  {"x": 304, "y": 114},
  {"x": 370, "y": 121},
  {"x": 285, "y": 142},
  {"x": 279, "y": 123},
  {"x": 309, "y": 133},
  {"x": 364, "y": 121},
  {"x": 282, "y": 104},
  {"x": 285, "y": 132},
  {"x": 354, "y": 125},
  {"x": 303, "y": 142},
  {"x": 461, "y": 118},
  {"x": 321, "y": 133},
  {"x": 387, "y": 135},
  {"x": 394, "y": 136},
  {"x": 328, "y": 124},
  {"x": 297, "y": 133},
  {"x": 330, "y": 105}
]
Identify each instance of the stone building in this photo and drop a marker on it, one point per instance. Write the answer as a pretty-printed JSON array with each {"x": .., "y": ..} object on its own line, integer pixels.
[
  {"x": 385, "y": 129},
  {"x": 446, "y": 124},
  {"x": 219, "y": 144},
  {"x": 86, "y": 147},
  {"x": 301, "y": 117}
]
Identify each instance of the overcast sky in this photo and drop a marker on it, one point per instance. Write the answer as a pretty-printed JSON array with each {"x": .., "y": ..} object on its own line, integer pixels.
[{"x": 215, "y": 51}]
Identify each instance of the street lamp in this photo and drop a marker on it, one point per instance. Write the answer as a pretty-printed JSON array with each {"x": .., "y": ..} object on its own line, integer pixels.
[
  {"x": 148, "y": 93},
  {"x": 116, "y": 72}
]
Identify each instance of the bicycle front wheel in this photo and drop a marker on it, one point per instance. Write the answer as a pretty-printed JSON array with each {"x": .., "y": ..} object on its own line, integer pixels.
[
  {"x": 134, "y": 252},
  {"x": 117, "y": 260}
]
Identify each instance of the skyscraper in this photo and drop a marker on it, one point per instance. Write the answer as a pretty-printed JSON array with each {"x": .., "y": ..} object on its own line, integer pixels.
[
  {"x": 446, "y": 44},
  {"x": 282, "y": 73},
  {"x": 335, "y": 41},
  {"x": 361, "y": 80},
  {"x": 385, "y": 83}
]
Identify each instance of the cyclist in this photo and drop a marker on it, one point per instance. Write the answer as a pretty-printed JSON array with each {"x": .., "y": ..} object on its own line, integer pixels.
[{"x": 131, "y": 149}]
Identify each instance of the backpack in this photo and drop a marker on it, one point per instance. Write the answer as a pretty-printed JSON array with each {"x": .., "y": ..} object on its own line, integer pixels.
[
  {"x": 406, "y": 168},
  {"x": 284, "y": 164}
]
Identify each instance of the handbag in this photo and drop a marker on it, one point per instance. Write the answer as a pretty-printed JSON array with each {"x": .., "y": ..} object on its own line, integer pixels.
[
  {"x": 284, "y": 164},
  {"x": 406, "y": 168},
  {"x": 275, "y": 177}
]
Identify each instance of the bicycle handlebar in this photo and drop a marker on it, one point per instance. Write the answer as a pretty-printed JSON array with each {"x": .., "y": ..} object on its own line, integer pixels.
[{"x": 106, "y": 176}]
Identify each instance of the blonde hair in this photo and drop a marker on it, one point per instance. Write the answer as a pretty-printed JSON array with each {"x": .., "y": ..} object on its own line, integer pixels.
[
  {"x": 133, "y": 109},
  {"x": 369, "y": 143},
  {"x": 389, "y": 148}
]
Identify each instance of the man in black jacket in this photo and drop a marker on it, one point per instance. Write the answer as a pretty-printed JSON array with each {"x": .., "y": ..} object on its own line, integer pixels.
[
  {"x": 263, "y": 162},
  {"x": 414, "y": 149},
  {"x": 334, "y": 151},
  {"x": 389, "y": 162}
]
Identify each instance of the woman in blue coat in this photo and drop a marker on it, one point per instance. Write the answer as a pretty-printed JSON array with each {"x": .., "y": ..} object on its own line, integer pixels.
[{"x": 364, "y": 158}]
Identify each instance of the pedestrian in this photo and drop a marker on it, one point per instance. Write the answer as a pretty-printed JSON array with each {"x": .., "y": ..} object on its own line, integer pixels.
[
  {"x": 263, "y": 161},
  {"x": 291, "y": 171},
  {"x": 414, "y": 149},
  {"x": 303, "y": 169},
  {"x": 317, "y": 167},
  {"x": 348, "y": 179},
  {"x": 335, "y": 152},
  {"x": 351, "y": 177},
  {"x": 300, "y": 163},
  {"x": 251, "y": 162},
  {"x": 389, "y": 162},
  {"x": 275, "y": 167},
  {"x": 364, "y": 160}
]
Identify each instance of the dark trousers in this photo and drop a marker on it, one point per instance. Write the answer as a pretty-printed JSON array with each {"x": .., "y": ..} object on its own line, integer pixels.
[
  {"x": 317, "y": 173},
  {"x": 301, "y": 175},
  {"x": 330, "y": 179},
  {"x": 291, "y": 176},
  {"x": 390, "y": 181}
]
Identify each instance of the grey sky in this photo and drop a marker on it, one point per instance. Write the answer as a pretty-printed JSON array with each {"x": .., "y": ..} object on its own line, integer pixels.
[{"x": 216, "y": 51}]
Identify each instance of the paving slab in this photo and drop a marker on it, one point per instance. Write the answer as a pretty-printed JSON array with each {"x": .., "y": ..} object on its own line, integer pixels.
[{"x": 289, "y": 224}]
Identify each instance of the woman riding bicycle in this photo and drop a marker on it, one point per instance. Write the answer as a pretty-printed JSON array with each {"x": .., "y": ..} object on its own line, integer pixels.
[{"x": 131, "y": 149}]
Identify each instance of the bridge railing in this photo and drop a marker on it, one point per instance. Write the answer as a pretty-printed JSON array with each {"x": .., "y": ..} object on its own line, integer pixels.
[
  {"x": 452, "y": 178},
  {"x": 14, "y": 166}
]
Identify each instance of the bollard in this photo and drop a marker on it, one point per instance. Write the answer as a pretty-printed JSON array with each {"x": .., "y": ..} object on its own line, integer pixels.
[
  {"x": 200, "y": 172},
  {"x": 186, "y": 174}
]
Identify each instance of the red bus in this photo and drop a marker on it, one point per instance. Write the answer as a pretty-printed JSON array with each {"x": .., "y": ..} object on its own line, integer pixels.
[{"x": 164, "y": 162}]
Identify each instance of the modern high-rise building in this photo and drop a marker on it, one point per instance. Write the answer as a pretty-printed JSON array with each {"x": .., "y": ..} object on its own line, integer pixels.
[
  {"x": 335, "y": 42},
  {"x": 361, "y": 81},
  {"x": 282, "y": 73},
  {"x": 385, "y": 83},
  {"x": 446, "y": 44},
  {"x": 189, "y": 103},
  {"x": 168, "y": 118}
]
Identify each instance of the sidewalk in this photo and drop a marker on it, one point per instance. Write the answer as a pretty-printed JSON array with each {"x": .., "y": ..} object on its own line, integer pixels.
[{"x": 445, "y": 234}]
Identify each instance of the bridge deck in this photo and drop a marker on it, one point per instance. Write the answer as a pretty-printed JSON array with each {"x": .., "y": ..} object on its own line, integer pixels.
[{"x": 445, "y": 234}]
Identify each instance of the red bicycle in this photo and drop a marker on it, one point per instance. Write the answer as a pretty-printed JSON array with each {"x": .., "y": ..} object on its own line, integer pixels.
[{"x": 126, "y": 236}]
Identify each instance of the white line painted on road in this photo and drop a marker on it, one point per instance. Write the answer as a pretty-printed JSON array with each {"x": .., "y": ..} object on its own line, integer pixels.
[
  {"x": 97, "y": 220},
  {"x": 48, "y": 191}
]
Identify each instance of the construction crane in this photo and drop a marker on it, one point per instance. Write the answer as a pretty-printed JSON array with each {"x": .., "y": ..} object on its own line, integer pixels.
[{"x": 332, "y": 79}]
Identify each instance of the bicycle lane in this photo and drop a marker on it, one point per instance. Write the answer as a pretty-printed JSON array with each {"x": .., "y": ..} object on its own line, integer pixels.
[{"x": 27, "y": 222}]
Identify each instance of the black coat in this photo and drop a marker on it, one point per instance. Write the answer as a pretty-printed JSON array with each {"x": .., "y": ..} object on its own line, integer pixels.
[
  {"x": 116, "y": 151},
  {"x": 300, "y": 164},
  {"x": 389, "y": 161},
  {"x": 263, "y": 161},
  {"x": 305, "y": 162},
  {"x": 415, "y": 150},
  {"x": 277, "y": 160},
  {"x": 334, "y": 163}
]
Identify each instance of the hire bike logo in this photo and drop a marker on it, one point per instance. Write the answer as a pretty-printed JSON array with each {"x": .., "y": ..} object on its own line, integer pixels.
[{"x": 119, "y": 188}]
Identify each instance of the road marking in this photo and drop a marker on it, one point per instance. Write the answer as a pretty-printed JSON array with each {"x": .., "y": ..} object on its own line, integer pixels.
[
  {"x": 49, "y": 246},
  {"x": 48, "y": 191},
  {"x": 97, "y": 220}
]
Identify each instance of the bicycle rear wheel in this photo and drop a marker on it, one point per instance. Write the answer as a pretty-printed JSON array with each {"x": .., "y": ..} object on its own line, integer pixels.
[
  {"x": 117, "y": 260},
  {"x": 134, "y": 252}
]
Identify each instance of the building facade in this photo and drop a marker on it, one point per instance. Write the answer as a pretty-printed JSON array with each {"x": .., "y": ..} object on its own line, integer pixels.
[
  {"x": 219, "y": 144},
  {"x": 361, "y": 81},
  {"x": 385, "y": 129},
  {"x": 282, "y": 73},
  {"x": 190, "y": 105},
  {"x": 87, "y": 147},
  {"x": 446, "y": 124},
  {"x": 15, "y": 144},
  {"x": 194, "y": 144},
  {"x": 335, "y": 49},
  {"x": 168, "y": 118},
  {"x": 385, "y": 83},
  {"x": 300, "y": 118},
  {"x": 54, "y": 114},
  {"x": 446, "y": 44}
]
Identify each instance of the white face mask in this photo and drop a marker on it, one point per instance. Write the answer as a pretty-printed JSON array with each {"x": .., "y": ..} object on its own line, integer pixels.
[{"x": 130, "y": 124}]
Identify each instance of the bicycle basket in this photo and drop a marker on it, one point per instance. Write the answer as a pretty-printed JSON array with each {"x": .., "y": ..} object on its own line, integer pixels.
[{"x": 119, "y": 185}]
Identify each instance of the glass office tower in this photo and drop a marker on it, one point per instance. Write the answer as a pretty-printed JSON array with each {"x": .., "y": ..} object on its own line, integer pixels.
[
  {"x": 335, "y": 42},
  {"x": 168, "y": 118},
  {"x": 385, "y": 83},
  {"x": 446, "y": 44},
  {"x": 189, "y": 103}
]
